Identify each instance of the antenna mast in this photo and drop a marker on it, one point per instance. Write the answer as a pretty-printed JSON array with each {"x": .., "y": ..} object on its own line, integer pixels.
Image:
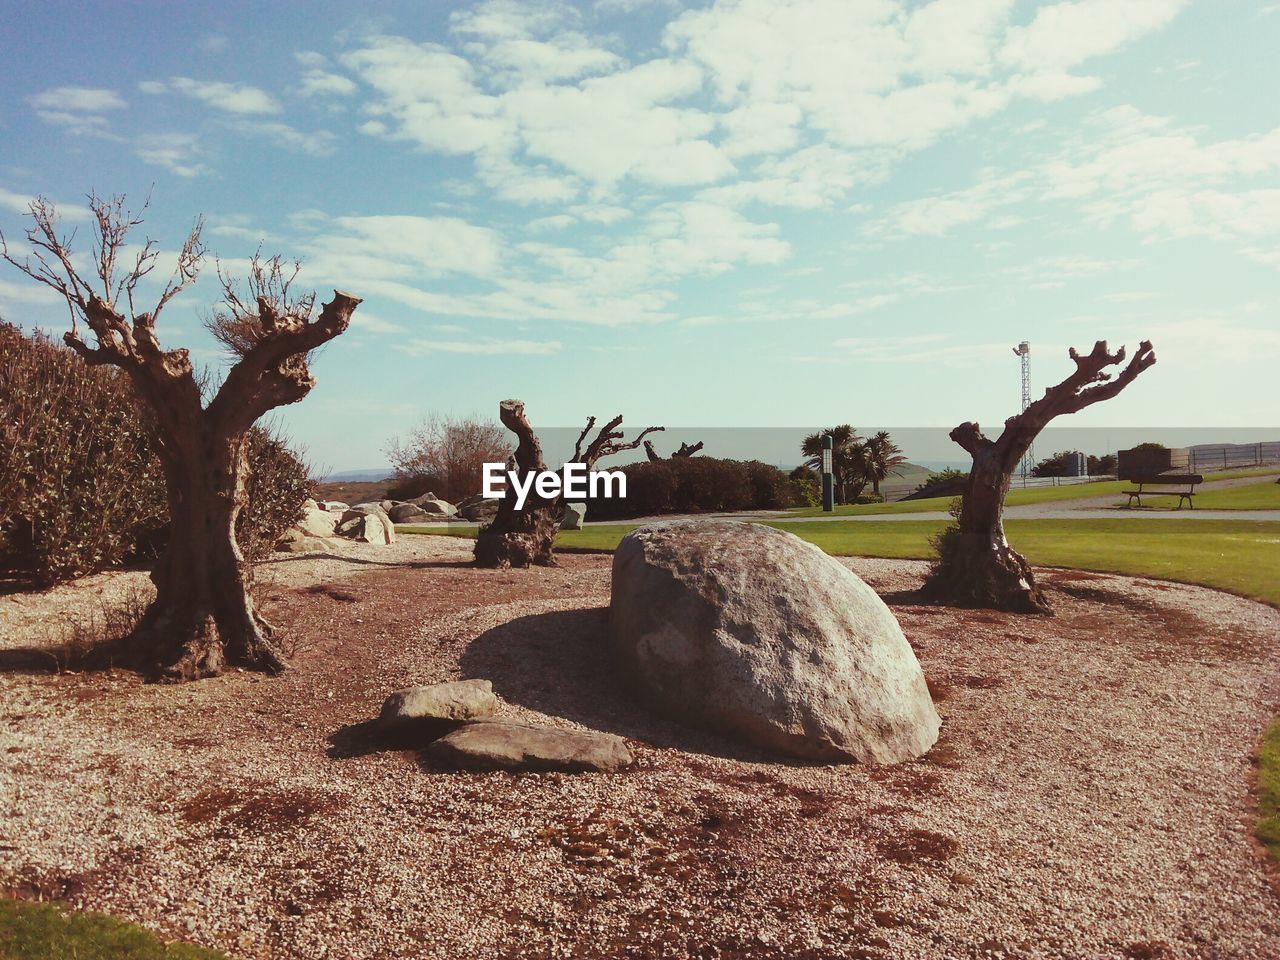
[{"x": 1023, "y": 351}]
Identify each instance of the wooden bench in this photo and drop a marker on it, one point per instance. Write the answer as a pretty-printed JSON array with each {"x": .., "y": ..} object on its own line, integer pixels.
[{"x": 1184, "y": 494}]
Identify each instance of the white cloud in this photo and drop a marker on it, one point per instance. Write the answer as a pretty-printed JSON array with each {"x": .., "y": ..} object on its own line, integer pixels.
[
  {"x": 179, "y": 153},
  {"x": 370, "y": 323},
  {"x": 29, "y": 293},
  {"x": 938, "y": 215},
  {"x": 807, "y": 98},
  {"x": 316, "y": 143},
  {"x": 1062, "y": 35},
  {"x": 80, "y": 109},
  {"x": 483, "y": 345},
  {"x": 238, "y": 98},
  {"x": 78, "y": 100},
  {"x": 316, "y": 83},
  {"x": 400, "y": 248},
  {"x": 318, "y": 79}
]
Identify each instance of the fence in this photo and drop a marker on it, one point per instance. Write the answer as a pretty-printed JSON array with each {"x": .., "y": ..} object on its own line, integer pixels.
[{"x": 1228, "y": 456}]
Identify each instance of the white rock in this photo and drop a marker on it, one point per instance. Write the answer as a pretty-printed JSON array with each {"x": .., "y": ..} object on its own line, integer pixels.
[{"x": 574, "y": 515}]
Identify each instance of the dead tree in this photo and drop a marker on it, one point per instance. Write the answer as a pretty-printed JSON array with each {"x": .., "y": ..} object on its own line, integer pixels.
[
  {"x": 975, "y": 565},
  {"x": 684, "y": 451},
  {"x": 203, "y": 618},
  {"x": 525, "y": 537}
]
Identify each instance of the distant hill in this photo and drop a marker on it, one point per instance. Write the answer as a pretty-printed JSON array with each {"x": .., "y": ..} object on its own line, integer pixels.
[{"x": 357, "y": 476}]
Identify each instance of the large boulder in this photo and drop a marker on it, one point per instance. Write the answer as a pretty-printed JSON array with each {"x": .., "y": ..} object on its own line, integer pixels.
[
  {"x": 408, "y": 513},
  {"x": 437, "y": 508},
  {"x": 755, "y": 633},
  {"x": 458, "y": 700},
  {"x": 371, "y": 527},
  {"x": 478, "y": 508},
  {"x": 316, "y": 522},
  {"x": 498, "y": 745},
  {"x": 574, "y": 515},
  {"x": 360, "y": 510}
]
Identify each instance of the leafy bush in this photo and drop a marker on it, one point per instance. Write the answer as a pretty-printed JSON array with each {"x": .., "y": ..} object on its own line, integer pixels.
[
  {"x": 79, "y": 483},
  {"x": 696, "y": 485},
  {"x": 279, "y": 484},
  {"x": 939, "y": 484},
  {"x": 81, "y": 488},
  {"x": 447, "y": 455}
]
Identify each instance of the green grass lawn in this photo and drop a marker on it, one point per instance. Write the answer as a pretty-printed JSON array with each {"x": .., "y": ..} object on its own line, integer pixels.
[
  {"x": 1239, "y": 556},
  {"x": 1263, "y": 495},
  {"x": 1269, "y": 790},
  {"x": 41, "y": 931}
]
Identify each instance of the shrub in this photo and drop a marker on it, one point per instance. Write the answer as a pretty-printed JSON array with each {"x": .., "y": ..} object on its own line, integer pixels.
[
  {"x": 805, "y": 491},
  {"x": 448, "y": 454},
  {"x": 696, "y": 485},
  {"x": 939, "y": 484},
  {"x": 279, "y": 484},
  {"x": 79, "y": 483},
  {"x": 81, "y": 487}
]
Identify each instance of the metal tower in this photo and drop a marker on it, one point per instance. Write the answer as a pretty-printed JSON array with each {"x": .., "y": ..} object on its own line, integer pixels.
[{"x": 1023, "y": 351}]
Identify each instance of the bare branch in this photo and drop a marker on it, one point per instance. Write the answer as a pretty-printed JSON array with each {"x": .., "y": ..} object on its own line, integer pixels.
[{"x": 273, "y": 370}]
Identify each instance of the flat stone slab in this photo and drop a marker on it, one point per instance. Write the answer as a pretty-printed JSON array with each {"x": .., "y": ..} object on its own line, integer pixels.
[
  {"x": 458, "y": 700},
  {"x": 497, "y": 745}
]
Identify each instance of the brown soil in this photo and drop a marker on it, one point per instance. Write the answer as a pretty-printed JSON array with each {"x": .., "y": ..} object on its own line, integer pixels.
[{"x": 1088, "y": 796}]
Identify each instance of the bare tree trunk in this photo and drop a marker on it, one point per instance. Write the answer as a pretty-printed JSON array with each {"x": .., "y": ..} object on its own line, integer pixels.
[
  {"x": 526, "y": 536},
  {"x": 521, "y": 537},
  {"x": 203, "y": 618},
  {"x": 975, "y": 565}
]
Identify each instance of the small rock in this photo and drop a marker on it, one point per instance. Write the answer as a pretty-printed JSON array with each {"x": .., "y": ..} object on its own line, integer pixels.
[
  {"x": 459, "y": 700},
  {"x": 498, "y": 745},
  {"x": 574, "y": 515}
]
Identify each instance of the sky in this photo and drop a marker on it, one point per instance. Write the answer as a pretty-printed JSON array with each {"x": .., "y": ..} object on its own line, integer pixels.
[{"x": 753, "y": 213}]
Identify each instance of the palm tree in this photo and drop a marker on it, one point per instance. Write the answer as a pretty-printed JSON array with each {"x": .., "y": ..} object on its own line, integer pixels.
[
  {"x": 847, "y": 459},
  {"x": 881, "y": 456}
]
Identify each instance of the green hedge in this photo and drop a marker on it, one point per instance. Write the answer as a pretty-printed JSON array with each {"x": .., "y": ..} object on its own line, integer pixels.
[{"x": 696, "y": 485}]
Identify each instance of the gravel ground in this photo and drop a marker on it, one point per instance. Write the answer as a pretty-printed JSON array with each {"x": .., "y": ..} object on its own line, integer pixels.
[{"x": 1088, "y": 798}]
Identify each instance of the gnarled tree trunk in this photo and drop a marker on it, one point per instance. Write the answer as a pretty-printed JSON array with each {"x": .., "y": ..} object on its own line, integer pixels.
[
  {"x": 203, "y": 617},
  {"x": 975, "y": 565},
  {"x": 521, "y": 537},
  {"x": 525, "y": 536}
]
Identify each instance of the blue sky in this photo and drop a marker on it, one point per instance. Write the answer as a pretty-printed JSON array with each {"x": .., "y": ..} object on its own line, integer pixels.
[{"x": 732, "y": 214}]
